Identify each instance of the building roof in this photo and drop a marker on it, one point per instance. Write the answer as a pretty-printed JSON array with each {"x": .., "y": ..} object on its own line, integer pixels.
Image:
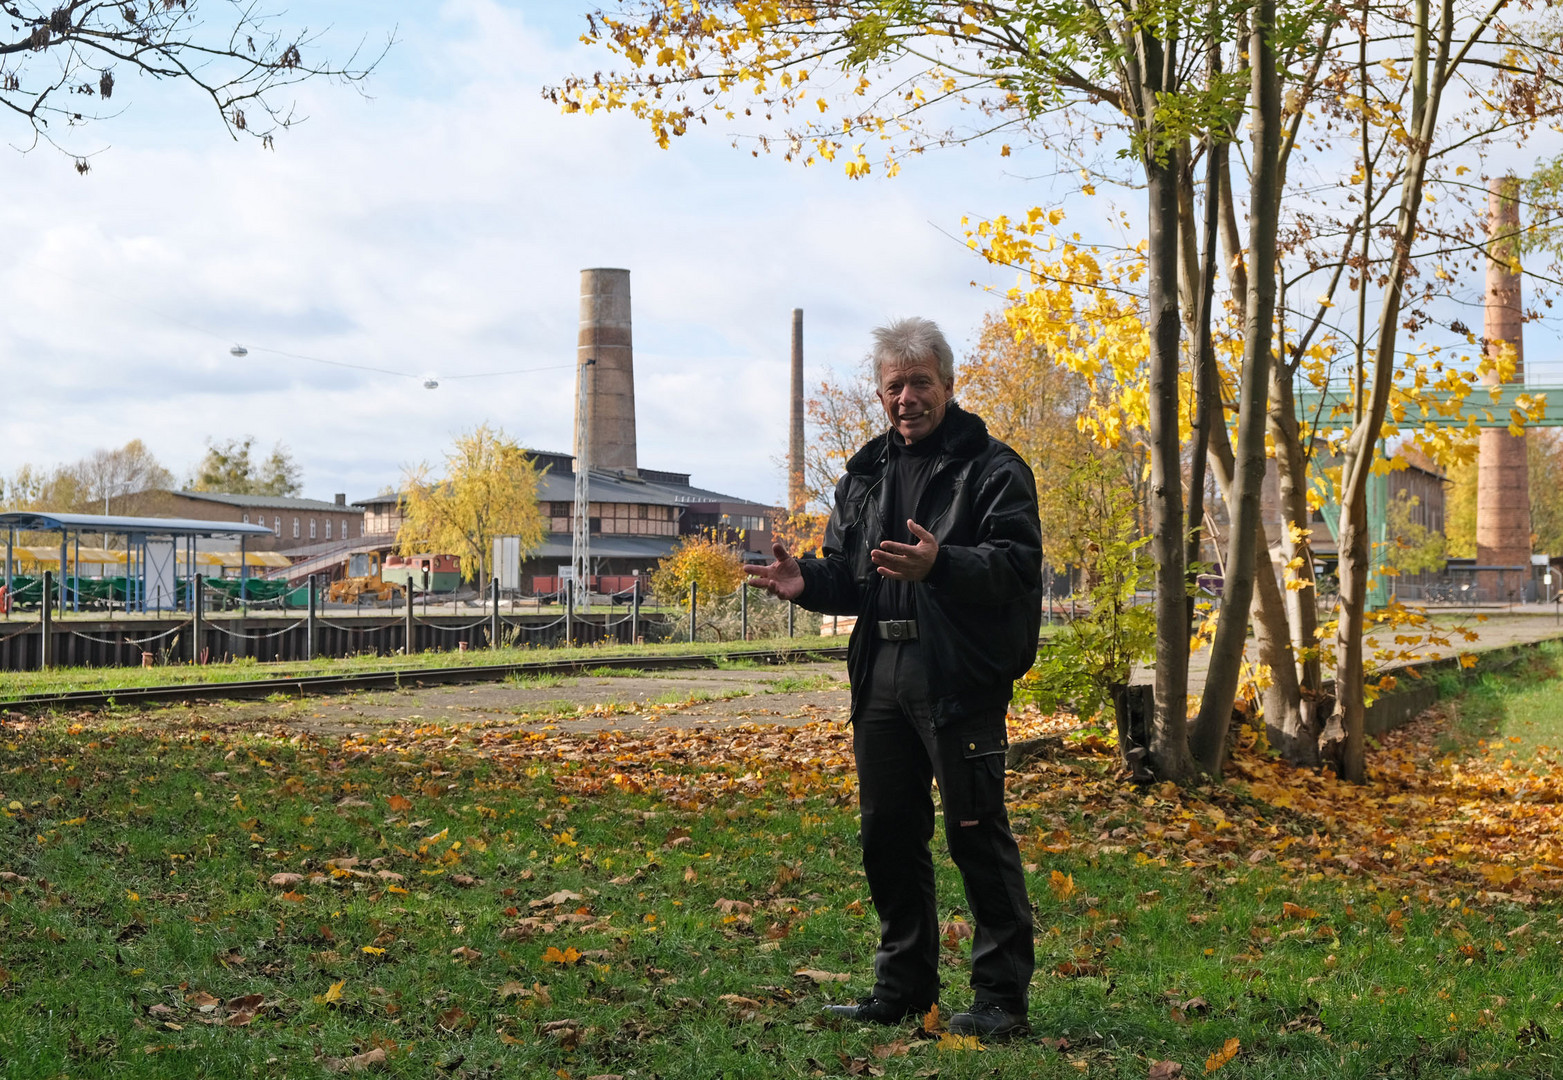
[
  {"x": 391, "y": 497},
  {"x": 652, "y": 487},
  {"x": 264, "y": 502},
  {"x": 93, "y": 523},
  {"x": 613, "y": 487},
  {"x": 557, "y": 546}
]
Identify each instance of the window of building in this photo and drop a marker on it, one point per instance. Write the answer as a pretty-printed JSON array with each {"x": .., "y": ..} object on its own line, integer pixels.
[
  {"x": 642, "y": 508},
  {"x": 295, "y": 528},
  {"x": 311, "y": 528},
  {"x": 276, "y": 524},
  {"x": 246, "y": 519},
  {"x": 328, "y": 528}
]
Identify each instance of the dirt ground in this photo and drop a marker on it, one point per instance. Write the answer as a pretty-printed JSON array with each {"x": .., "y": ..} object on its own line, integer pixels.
[{"x": 791, "y": 694}]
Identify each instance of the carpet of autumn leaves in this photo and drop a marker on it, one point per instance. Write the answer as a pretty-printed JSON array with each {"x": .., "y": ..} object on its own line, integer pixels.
[{"x": 191, "y": 895}]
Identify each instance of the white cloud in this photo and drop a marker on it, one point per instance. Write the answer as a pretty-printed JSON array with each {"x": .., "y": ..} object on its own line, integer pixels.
[{"x": 440, "y": 228}]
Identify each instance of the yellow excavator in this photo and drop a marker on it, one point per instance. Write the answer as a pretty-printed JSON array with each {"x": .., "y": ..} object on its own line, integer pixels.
[{"x": 363, "y": 581}]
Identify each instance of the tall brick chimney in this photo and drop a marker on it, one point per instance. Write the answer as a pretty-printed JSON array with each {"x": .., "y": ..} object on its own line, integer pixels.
[
  {"x": 797, "y": 494},
  {"x": 1502, "y": 474},
  {"x": 605, "y": 336}
]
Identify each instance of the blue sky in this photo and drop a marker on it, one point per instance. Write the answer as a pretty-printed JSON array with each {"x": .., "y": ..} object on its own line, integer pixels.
[{"x": 437, "y": 225}]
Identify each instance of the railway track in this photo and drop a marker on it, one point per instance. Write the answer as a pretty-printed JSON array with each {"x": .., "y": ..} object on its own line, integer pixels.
[{"x": 306, "y": 685}]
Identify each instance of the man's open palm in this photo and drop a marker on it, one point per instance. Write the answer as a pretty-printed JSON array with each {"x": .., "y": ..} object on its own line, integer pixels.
[{"x": 782, "y": 578}]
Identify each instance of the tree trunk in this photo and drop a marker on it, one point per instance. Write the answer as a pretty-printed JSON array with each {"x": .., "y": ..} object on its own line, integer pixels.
[
  {"x": 1344, "y": 735},
  {"x": 1169, "y": 749},
  {"x": 1215, "y": 712},
  {"x": 1296, "y": 737},
  {"x": 1280, "y": 700}
]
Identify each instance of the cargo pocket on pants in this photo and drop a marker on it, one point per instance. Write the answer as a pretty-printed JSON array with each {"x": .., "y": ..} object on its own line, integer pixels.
[{"x": 972, "y": 784}]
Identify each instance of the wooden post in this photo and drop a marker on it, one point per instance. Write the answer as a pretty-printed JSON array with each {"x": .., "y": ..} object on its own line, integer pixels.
[
  {"x": 197, "y": 618},
  {"x": 635, "y": 611},
  {"x": 412, "y": 631},
  {"x": 309, "y": 625},
  {"x": 792, "y": 611},
  {"x": 493, "y": 618},
  {"x": 46, "y": 624},
  {"x": 743, "y": 610},
  {"x": 694, "y": 602}
]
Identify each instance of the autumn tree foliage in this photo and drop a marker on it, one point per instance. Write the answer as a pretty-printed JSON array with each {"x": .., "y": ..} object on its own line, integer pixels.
[
  {"x": 126, "y": 479},
  {"x": 1352, "y": 121},
  {"x": 231, "y": 466},
  {"x": 488, "y": 488},
  {"x": 67, "y": 63},
  {"x": 704, "y": 560}
]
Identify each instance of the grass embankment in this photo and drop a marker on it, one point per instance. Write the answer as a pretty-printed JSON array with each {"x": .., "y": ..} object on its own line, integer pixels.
[
  {"x": 208, "y": 898},
  {"x": 60, "y": 680}
]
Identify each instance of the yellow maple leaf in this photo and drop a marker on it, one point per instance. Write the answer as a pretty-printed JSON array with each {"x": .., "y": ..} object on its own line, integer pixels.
[
  {"x": 332, "y": 995},
  {"x": 1063, "y": 885},
  {"x": 1222, "y": 1056}
]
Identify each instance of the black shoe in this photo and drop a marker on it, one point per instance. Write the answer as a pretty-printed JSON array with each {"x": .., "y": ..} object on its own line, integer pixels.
[
  {"x": 990, "y": 1021},
  {"x": 872, "y": 1010}
]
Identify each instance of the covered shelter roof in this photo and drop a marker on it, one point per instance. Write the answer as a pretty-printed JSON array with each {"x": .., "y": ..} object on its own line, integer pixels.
[{"x": 43, "y": 520}]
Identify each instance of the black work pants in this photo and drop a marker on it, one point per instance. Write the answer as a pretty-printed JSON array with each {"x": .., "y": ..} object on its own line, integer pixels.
[{"x": 899, "y": 754}]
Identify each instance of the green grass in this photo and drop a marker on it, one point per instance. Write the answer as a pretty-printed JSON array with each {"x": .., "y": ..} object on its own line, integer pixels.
[
  {"x": 539, "y": 682},
  {"x": 147, "y": 850},
  {"x": 790, "y": 684},
  {"x": 59, "y": 680},
  {"x": 1513, "y": 707}
]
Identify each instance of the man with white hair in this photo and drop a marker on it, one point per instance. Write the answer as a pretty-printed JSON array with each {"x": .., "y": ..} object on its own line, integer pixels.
[{"x": 936, "y": 545}]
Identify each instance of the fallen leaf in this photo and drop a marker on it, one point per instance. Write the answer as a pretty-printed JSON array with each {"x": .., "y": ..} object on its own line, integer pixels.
[
  {"x": 1073, "y": 969},
  {"x": 242, "y": 1010},
  {"x": 400, "y": 803},
  {"x": 332, "y": 995},
  {"x": 959, "y": 1042},
  {"x": 368, "y": 1059},
  {"x": 388, "y": 875},
  {"x": 462, "y": 952},
  {"x": 819, "y": 978},
  {"x": 1063, "y": 885},
  {"x": 932, "y": 1022},
  {"x": 511, "y": 989},
  {"x": 1164, "y": 1070},
  {"x": 285, "y": 880},
  {"x": 890, "y": 1050},
  {"x": 552, "y": 955},
  {"x": 201, "y": 1001},
  {"x": 1222, "y": 1056},
  {"x": 563, "y": 896},
  {"x": 1290, "y": 910},
  {"x": 734, "y": 907},
  {"x": 464, "y": 880},
  {"x": 450, "y": 1019}
]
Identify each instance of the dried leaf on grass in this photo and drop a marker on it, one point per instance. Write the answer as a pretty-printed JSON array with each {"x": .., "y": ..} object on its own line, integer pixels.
[
  {"x": 358, "y": 1062},
  {"x": 819, "y": 978}
]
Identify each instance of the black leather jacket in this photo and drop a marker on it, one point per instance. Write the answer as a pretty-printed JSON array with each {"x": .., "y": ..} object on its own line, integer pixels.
[{"x": 980, "y": 610}]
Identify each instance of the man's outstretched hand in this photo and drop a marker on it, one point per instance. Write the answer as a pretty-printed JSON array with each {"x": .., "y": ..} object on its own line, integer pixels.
[
  {"x": 781, "y": 578},
  {"x": 907, "y": 562}
]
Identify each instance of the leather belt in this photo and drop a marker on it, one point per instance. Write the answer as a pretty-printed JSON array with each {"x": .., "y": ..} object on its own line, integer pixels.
[{"x": 896, "y": 630}]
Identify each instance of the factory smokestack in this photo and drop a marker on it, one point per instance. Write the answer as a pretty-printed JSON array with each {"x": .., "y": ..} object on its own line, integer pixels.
[
  {"x": 797, "y": 495},
  {"x": 605, "y": 337},
  {"x": 1502, "y": 473}
]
